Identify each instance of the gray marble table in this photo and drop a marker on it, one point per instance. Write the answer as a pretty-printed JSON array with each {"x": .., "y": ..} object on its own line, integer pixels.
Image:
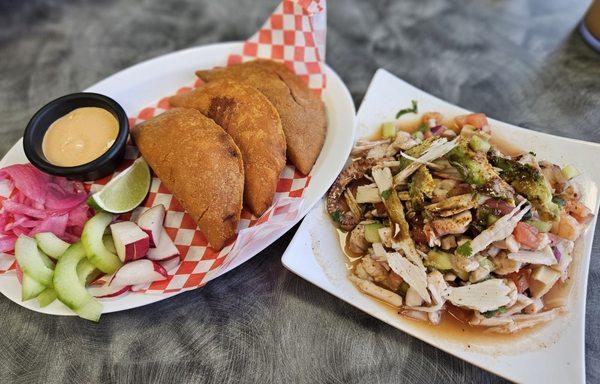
[{"x": 519, "y": 61}]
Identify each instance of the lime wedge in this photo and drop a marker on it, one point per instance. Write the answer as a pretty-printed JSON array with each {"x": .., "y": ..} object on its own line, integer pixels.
[{"x": 125, "y": 191}]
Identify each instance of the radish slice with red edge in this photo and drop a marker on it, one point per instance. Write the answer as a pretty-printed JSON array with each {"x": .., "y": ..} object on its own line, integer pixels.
[
  {"x": 151, "y": 222},
  {"x": 130, "y": 241},
  {"x": 139, "y": 272},
  {"x": 165, "y": 250}
]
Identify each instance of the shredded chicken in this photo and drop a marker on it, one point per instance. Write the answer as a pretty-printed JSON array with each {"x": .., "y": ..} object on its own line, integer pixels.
[
  {"x": 485, "y": 296},
  {"x": 500, "y": 230},
  {"x": 376, "y": 291},
  {"x": 434, "y": 225}
]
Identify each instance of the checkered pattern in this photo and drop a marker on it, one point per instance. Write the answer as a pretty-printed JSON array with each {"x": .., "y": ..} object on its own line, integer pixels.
[
  {"x": 294, "y": 34},
  {"x": 289, "y": 35}
]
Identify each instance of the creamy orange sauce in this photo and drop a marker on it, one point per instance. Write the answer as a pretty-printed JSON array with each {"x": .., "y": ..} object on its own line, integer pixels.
[{"x": 80, "y": 136}]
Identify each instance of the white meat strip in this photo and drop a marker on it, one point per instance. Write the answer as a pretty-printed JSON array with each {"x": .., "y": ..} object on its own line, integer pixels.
[
  {"x": 408, "y": 248},
  {"x": 501, "y": 229},
  {"x": 523, "y": 321},
  {"x": 364, "y": 145},
  {"x": 437, "y": 149},
  {"x": 410, "y": 273},
  {"x": 543, "y": 257},
  {"x": 483, "y": 297},
  {"x": 368, "y": 194},
  {"x": 377, "y": 292},
  {"x": 436, "y": 284}
]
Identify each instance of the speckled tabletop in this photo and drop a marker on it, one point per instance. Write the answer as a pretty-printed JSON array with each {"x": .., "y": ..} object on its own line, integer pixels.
[{"x": 519, "y": 61}]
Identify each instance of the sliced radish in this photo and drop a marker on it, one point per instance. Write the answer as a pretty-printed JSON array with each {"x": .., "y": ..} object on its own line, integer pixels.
[
  {"x": 139, "y": 272},
  {"x": 130, "y": 241},
  {"x": 106, "y": 291},
  {"x": 170, "y": 264},
  {"x": 151, "y": 222},
  {"x": 165, "y": 250}
]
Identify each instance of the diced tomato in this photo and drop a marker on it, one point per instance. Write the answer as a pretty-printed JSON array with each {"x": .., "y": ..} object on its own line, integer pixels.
[
  {"x": 478, "y": 120},
  {"x": 521, "y": 279},
  {"x": 527, "y": 235},
  {"x": 460, "y": 314},
  {"x": 418, "y": 235},
  {"x": 432, "y": 115},
  {"x": 579, "y": 211},
  {"x": 394, "y": 280},
  {"x": 380, "y": 207}
]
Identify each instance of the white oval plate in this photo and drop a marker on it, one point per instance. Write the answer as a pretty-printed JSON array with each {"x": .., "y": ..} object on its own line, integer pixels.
[
  {"x": 555, "y": 353},
  {"x": 143, "y": 84}
]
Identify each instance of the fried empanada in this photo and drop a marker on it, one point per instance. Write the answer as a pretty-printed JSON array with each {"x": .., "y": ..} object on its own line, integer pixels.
[
  {"x": 200, "y": 164},
  {"x": 301, "y": 110},
  {"x": 254, "y": 124}
]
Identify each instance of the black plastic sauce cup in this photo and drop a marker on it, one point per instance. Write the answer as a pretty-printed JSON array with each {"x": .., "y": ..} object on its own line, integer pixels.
[{"x": 49, "y": 113}]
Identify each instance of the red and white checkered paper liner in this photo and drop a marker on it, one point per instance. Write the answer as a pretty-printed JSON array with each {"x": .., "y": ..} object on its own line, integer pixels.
[{"x": 294, "y": 34}]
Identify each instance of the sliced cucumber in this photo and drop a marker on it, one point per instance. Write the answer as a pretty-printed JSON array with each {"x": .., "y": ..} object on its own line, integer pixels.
[
  {"x": 570, "y": 172},
  {"x": 51, "y": 244},
  {"x": 47, "y": 297},
  {"x": 30, "y": 288},
  {"x": 109, "y": 244},
  {"x": 92, "y": 310},
  {"x": 372, "y": 232},
  {"x": 87, "y": 272},
  {"x": 91, "y": 238},
  {"x": 439, "y": 260},
  {"x": 388, "y": 130},
  {"x": 542, "y": 226},
  {"x": 66, "y": 282},
  {"x": 479, "y": 145},
  {"x": 33, "y": 262}
]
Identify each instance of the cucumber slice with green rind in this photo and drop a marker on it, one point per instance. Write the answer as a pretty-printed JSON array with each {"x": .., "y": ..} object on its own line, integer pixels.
[
  {"x": 46, "y": 297},
  {"x": 87, "y": 272},
  {"x": 51, "y": 244},
  {"x": 109, "y": 244},
  {"x": 68, "y": 288},
  {"x": 91, "y": 310},
  {"x": 96, "y": 252},
  {"x": 33, "y": 262},
  {"x": 30, "y": 288}
]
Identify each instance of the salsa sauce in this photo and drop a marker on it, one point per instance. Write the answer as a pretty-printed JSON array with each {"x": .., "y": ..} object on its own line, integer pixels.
[{"x": 453, "y": 325}]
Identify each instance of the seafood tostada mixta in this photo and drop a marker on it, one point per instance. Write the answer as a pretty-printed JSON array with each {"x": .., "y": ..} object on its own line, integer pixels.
[{"x": 442, "y": 221}]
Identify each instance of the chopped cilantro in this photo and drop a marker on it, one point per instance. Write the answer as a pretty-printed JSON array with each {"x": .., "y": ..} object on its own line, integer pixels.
[
  {"x": 532, "y": 153},
  {"x": 414, "y": 109},
  {"x": 336, "y": 216},
  {"x": 465, "y": 249},
  {"x": 494, "y": 312},
  {"x": 558, "y": 201},
  {"x": 385, "y": 194}
]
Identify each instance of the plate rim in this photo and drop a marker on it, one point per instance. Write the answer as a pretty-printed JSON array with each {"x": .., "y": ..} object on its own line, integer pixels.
[
  {"x": 287, "y": 257},
  {"x": 150, "y": 298}
]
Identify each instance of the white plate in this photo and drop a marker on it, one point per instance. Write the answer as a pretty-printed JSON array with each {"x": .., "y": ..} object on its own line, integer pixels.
[
  {"x": 146, "y": 83},
  {"x": 555, "y": 353}
]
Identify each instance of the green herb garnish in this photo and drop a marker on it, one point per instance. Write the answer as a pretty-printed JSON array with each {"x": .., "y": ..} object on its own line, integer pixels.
[
  {"x": 465, "y": 249},
  {"x": 494, "y": 312},
  {"x": 335, "y": 216},
  {"x": 385, "y": 194},
  {"x": 414, "y": 109}
]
